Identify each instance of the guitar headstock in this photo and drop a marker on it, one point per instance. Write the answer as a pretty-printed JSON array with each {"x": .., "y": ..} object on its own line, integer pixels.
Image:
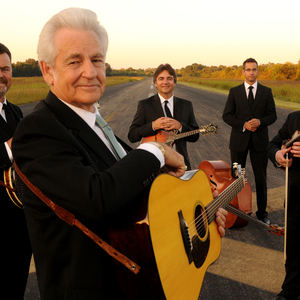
[
  {"x": 210, "y": 129},
  {"x": 238, "y": 171}
]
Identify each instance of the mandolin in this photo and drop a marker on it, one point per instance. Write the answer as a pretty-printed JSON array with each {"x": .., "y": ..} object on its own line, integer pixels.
[{"x": 170, "y": 137}]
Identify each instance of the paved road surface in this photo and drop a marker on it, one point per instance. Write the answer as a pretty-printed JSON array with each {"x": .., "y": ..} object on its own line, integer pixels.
[{"x": 251, "y": 261}]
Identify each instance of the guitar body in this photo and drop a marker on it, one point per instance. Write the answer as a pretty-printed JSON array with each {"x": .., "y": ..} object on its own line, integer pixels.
[
  {"x": 133, "y": 240},
  {"x": 162, "y": 137},
  {"x": 180, "y": 278}
]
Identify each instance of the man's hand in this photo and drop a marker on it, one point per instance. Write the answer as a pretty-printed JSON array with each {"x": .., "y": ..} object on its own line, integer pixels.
[
  {"x": 221, "y": 220},
  {"x": 281, "y": 157},
  {"x": 174, "y": 161},
  {"x": 252, "y": 125},
  {"x": 295, "y": 149},
  {"x": 166, "y": 123}
]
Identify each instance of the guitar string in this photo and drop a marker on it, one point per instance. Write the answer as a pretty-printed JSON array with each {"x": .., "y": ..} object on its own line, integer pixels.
[
  {"x": 199, "y": 225},
  {"x": 231, "y": 193}
]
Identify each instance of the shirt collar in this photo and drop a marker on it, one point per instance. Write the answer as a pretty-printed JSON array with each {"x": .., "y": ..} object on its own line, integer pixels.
[
  {"x": 88, "y": 117},
  {"x": 1, "y": 104},
  {"x": 247, "y": 85},
  {"x": 162, "y": 99}
]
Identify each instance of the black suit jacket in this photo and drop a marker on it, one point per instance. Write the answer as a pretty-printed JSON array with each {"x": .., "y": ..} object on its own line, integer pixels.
[
  {"x": 13, "y": 230},
  {"x": 291, "y": 124},
  {"x": 237, "y": 112},
  {"x": 64, "y": 157},
  {"x": 150, "y": 109},
  {"x": 6, "y": 132}
]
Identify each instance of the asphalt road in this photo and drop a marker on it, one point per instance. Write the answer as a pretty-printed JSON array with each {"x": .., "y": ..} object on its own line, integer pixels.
[{"x": 251, "y": 262}]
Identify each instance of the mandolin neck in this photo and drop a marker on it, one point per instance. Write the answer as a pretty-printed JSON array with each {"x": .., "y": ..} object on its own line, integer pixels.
[{"x": 184, "y": 134}]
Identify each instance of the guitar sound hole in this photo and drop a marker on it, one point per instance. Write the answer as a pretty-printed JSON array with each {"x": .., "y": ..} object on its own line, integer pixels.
[
  {"x": 201, "y": 242},
  {"x": 201, "y": 221}
]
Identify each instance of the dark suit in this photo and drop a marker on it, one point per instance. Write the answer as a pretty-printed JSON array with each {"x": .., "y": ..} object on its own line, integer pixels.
[
  {"x": 150, "y": 109},
  {"x": 15, "y": 246},
  {"x": 236, "y": 112},
  {"x": 291, "y": 284},
  {"x": 65, "y": 158}
]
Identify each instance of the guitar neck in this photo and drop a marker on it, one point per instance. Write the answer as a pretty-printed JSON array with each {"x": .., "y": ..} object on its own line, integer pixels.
[{"x": 223, "y": 199}]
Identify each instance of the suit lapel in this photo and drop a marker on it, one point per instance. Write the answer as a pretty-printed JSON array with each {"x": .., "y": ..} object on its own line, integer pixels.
[
  {"x": 6, "y": 127},
  {"x": 78, "y": 127},
  {"x": 157, "y": 106},
  {"x": 177, "y": 108},
  {"x": 257, "y": 96},
  {"x": 243, "y": 97}
]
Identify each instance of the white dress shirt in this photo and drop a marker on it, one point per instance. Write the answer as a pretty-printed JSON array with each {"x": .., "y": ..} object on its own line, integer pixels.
[
  {"x": 90, "y": 119},
  {"x": 253, "y": 90},
  {"x": 247, "y": 93}
]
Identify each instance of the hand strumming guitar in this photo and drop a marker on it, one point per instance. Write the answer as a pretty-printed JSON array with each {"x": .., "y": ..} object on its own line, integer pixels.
[{"x": 174, "y": 163}]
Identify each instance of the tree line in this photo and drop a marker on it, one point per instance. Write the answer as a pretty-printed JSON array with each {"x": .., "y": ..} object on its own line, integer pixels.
[{"x": 270, "y": 71}]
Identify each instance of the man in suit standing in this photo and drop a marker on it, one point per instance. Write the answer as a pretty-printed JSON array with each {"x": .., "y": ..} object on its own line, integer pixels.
[
  {"x": 249, "y": 110},
  {"x": 15, "y": 249},
  {"x": 291, "y": 284},
  {"x": 68, "y": 151},
  {"x": 164, "y": 111}
]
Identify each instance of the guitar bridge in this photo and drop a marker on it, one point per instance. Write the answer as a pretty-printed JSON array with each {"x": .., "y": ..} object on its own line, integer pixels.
[{"x": 185, "y": 237}]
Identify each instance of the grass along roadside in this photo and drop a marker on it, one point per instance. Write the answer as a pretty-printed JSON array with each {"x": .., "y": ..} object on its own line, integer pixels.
[
  {"x": 286, "y": 94},
  {"x": 32, "y": 89}
]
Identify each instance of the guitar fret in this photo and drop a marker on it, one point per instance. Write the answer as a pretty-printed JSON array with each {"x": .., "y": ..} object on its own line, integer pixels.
[{"x": 224, "y": 198}]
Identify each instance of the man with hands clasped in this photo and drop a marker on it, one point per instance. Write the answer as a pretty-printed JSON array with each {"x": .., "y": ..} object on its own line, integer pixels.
[{"x": 249, "y": 110}]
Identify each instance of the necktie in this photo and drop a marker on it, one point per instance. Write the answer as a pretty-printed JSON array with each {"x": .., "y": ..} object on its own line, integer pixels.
[
  {"x": 100, "y": 122},
  {"x": 250, "y": 97},
  {"x": 167, "y": 110},
  {"x": 9, "y": 117}
]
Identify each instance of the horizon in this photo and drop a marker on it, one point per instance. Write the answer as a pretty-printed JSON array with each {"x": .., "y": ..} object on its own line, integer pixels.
[{"x": 144, "y": 35}]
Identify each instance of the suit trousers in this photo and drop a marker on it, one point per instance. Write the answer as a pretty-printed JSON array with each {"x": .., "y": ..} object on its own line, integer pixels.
[
  {"x": 259, "y": 162},
  {"x": 291, "y": 284}
]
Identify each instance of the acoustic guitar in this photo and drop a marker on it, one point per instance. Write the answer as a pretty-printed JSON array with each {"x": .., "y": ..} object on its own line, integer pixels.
[
  {"x": 176, "y": 241},
  {"x": 184, "y": 235},
  {"x": 170, "y": 137}
]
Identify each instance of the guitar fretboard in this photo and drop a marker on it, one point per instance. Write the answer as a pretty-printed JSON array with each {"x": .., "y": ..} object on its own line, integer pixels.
[{"x": 224, "y": 198}]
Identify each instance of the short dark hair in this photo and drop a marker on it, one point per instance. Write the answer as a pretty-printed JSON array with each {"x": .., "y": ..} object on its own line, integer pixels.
[
  {"x": 249, "y": 60},
  {"x": 4, "y": 49},
  {"x": 164, "y": 67}
]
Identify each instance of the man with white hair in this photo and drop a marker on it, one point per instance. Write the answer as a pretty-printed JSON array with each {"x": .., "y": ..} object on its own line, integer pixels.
[{"x": 78, "y": 165}]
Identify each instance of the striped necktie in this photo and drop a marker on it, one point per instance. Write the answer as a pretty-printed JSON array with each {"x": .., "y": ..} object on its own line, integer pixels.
[{"x": 100, "y": 122}]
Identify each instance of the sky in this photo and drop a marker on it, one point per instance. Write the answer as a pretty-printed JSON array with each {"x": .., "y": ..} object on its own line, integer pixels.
[{"x": 144, "y": 34}]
